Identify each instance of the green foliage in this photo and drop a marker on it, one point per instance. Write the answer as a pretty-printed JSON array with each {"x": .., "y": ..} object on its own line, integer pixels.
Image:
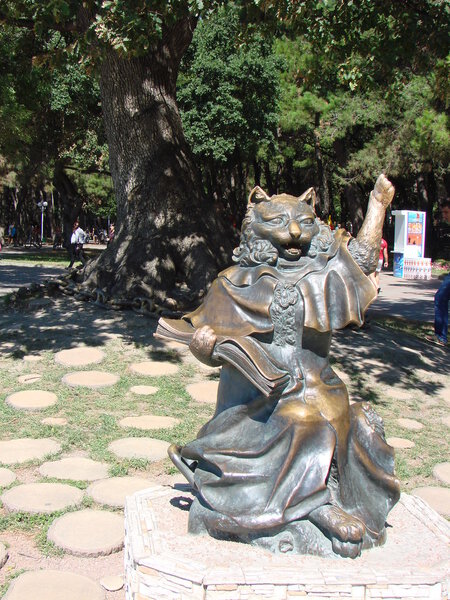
[
  {"x": 229, "y": 90},
  {"x": 55, "y": 112},
  {"x": 368, "y": 83},
  {"x": 49, "y": 115},
  {"x": 364, "y": 84},
  {"x": 98, "y": 189},
  {"x": 432, "y": 136}
]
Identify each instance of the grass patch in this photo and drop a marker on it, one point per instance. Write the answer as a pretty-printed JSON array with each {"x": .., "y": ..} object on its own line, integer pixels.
[{"x": 46, "y": 256}]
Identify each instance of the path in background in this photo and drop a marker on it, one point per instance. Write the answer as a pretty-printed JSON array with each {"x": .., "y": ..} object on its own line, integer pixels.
[
  {"x": 410, "y": 299},
  {"x": 15, "y": 274}
]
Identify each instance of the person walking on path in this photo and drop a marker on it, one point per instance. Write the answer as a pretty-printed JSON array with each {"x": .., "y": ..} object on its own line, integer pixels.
[
  {"x": 442, "y": 296},
  {"x": 76, "y": 245}
]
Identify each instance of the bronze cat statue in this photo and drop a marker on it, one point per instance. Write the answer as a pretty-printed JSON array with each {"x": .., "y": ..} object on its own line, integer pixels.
[{"x": 286, "y": 462}]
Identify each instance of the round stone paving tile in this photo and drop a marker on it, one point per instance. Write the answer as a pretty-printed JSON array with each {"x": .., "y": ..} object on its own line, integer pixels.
[
  {"x": 41, "y": 497},
  {"x": 91, "y": 379},
  {"x": 3, "y": 554},
  {"x": 146, "y": 448},
  {"x": 31, "y": 400},
  {"x": 79, "y": 357},
  {"x": 153, "y": 368},
  {"x": 30, "y": 378},
  {"x": 397, "y": 442},
  {"x": 112, "y": 583},
  {"x": 88, "y": 532},
  {"x": 143, "y": 390},
  {"x": 54, "y": 585},
  {"x": 442, "y": 472},
  {"x": 437, "y": 497},
  {"x": 24, "y": 449},
  {"x": 113, "y": 491},
  {"x": 411, "y": 424},
  {"x": 75, "y": 468},
  {"x": 6, "y": 477},
  {"x": 398, "y": 394},
  {"x": 32, "y": 358},
  {"x": 54, "y": 421},
  {"x": 205, "y": 391},
  {"x": 147, "y": 422}
]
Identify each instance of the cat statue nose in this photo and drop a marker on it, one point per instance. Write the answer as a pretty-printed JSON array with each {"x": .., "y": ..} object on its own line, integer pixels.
[{"x": 294, "y": 230}]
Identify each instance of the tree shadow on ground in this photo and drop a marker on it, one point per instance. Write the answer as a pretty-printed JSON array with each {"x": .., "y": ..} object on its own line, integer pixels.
[
  {"x": 62, "y": 322},
  {"x": 366, "y": 356},
  {"x": 11, "y": 277},
  {"x": 377, "y": 359}
]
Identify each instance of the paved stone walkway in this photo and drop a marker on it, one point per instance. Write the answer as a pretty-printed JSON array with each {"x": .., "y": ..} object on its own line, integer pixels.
[
  {"x": 54, "y": 421},
  {"x": 144, "y": 447},
  {"x": 79, "y": 357},
  {"x": 154, "y": 369},
  {"x": 437, "y": 497},
  {"x": 7, "y": 477},
  {"x": 75, "y": 468},
  {"x": 42, "y": 498},
  {"x": 31, "y": 400},
  {"x": 442, "y": 472},
  {"x": 143, "y": 390},
  {"x": 24, "y": 449},
  {"x": 113, "y": 491},
  {"x": 410, "y": 424},
  {"x": 54, "y": 585},
  {"x": 29, "y": 379},
  {"x": 400, "y": 443},
  {"x": 88, "y": 532},
  {"x": 90, "y": 379},
  {"x": 204, "y": 391}
]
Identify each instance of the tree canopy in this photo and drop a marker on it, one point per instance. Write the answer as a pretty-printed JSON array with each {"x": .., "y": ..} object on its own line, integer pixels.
[{"x": 282, "y": 94}]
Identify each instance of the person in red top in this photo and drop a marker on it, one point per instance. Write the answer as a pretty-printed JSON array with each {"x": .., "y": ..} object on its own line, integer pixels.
[{"x": 382, "y": 261}]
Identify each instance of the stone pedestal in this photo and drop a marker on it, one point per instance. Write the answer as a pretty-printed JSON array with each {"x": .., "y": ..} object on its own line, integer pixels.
[{"x": 164, "y": 562}]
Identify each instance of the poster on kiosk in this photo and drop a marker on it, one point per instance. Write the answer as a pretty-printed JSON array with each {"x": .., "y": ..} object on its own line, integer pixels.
[{"x": 409, "y": 245}]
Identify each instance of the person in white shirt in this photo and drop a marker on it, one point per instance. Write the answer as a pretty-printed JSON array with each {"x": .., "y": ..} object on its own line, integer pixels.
[{"x": 76, "y": 245}]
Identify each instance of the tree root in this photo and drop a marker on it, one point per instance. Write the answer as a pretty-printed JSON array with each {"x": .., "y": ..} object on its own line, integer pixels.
[{"x": 68, "y": 286}]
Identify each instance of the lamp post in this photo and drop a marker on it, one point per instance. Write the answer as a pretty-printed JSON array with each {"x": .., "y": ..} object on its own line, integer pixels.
[{"x": 42, "y": 205}]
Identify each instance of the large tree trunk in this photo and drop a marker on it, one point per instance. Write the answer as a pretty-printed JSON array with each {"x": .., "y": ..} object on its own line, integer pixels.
[{"x": 165, "y": 245}]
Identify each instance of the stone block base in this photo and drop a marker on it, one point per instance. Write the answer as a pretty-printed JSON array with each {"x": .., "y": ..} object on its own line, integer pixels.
[{"x": 164, "y": 562}]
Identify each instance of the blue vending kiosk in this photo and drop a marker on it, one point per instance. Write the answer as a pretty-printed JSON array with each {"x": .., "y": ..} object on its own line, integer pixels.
[{"x": 409, "y": 238}]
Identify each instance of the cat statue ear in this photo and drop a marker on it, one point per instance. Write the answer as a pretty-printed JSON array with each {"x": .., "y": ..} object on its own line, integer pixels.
[
  {"x": 257, "y": 195},
  {"x": 309, "y": 197}
]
